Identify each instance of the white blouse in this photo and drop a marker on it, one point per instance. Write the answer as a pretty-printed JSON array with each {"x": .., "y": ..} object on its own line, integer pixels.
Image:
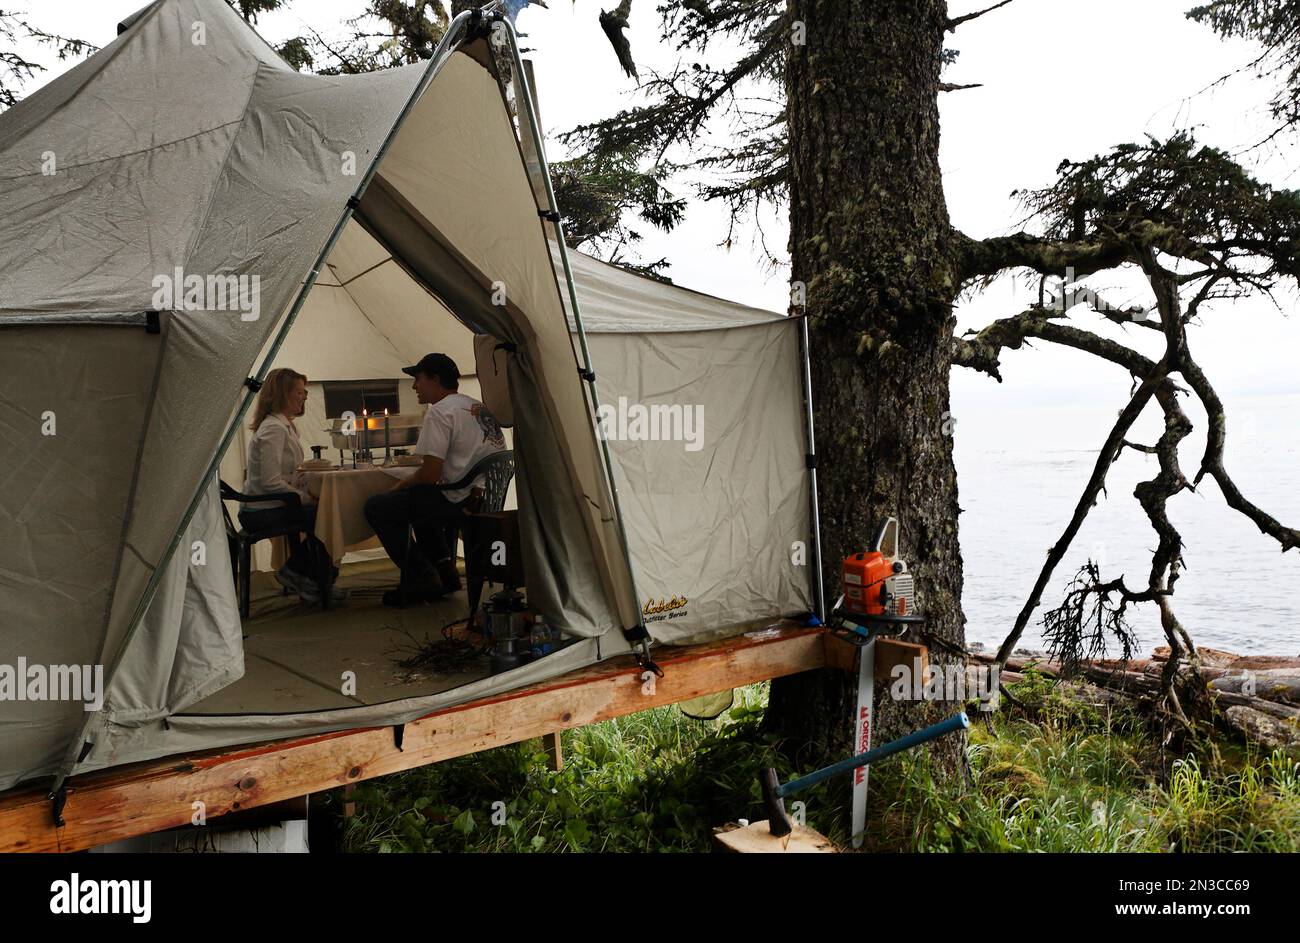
[{"x": 273, "y": 459}]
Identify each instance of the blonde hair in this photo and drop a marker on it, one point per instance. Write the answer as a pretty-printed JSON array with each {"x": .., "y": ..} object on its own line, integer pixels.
[{"x": 274, "y": 395}]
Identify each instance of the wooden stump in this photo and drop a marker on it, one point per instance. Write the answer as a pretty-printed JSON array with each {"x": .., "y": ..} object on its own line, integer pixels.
[{"x": 757, "y": 838}]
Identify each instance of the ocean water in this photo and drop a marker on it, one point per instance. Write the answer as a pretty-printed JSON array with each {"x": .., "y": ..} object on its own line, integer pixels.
[{"x": 1021, "y": 471}]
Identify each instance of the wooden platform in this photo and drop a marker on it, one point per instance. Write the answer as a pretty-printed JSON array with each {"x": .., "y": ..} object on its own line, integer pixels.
[{"x": 148, "y": 797}]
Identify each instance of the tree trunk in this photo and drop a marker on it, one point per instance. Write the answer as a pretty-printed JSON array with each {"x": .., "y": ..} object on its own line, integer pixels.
[{"x": 871, "y": 241}]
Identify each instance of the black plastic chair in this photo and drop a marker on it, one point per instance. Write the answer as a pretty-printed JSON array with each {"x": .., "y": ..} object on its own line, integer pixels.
[
  {"x": 241, "y": 541},
  {"x": 497, "y": 470}
]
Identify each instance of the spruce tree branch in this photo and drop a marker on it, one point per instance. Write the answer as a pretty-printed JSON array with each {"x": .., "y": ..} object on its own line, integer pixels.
[
  {"x": 989, "y": 257},
  {"x": 689, "y": 123},
  {"x": 982, "y": 351}
]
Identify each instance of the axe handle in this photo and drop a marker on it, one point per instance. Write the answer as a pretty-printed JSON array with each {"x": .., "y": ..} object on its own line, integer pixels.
[{"x": 924, "y": 735}]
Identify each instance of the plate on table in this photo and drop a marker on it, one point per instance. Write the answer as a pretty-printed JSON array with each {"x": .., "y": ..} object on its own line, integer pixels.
[{"x": 317, "y": 464}]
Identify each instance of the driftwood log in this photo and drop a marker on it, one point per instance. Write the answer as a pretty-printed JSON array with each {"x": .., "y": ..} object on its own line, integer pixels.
[{"x": 1258, "y": 695}]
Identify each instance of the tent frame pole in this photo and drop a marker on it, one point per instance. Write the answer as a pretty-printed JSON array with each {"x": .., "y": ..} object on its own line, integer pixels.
[
  {"x": 449, "y": 39},
  {"x": 819, "y": 591},
  {"x": 640, "y": 634}
]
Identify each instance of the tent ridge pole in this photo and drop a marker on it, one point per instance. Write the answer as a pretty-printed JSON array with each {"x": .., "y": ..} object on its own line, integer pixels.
[
  {"x": 642, "y": 635},
  {"x": 819, "y": 592}
]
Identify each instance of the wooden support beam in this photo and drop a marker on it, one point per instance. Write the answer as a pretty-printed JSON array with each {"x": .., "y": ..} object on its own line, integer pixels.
[
  {"x": 890, "y": 652},
  {"x": 554, "y": 750},
  {"x": 148, "y": 797}
]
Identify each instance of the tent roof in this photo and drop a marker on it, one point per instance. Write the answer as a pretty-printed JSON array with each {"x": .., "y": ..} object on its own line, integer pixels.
[{"x": 616, "y": 301}]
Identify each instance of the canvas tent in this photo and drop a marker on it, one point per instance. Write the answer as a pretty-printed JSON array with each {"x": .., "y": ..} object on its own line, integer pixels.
[{"x": 374, "y": 204}]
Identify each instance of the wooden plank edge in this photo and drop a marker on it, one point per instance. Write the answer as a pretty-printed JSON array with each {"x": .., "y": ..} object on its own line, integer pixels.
[{"x": 114, "y": 805}]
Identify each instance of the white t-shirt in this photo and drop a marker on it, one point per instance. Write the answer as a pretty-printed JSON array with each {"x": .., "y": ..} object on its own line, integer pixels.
[{"x": 461, "y": 431}]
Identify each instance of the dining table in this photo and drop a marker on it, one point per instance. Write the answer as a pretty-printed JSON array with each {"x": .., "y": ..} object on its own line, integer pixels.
[{"x": 341, "y": 495}]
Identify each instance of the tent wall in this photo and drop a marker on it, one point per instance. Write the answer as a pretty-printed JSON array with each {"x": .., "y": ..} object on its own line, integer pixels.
[
  {"x": 719, "y": 524},
  {"x": 366, "y": 318},
  {"x": 63, "y": 500}
]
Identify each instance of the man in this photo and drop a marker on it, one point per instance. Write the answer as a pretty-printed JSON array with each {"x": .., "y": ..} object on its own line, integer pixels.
[{"x": 457, "y": 433}]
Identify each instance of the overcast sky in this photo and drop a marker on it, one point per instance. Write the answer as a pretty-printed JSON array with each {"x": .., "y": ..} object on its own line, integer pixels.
[{"x": 1061, "y": 78}]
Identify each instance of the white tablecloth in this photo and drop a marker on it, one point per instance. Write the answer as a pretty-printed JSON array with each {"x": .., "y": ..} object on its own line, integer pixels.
[{"x": 341, "y": 496}]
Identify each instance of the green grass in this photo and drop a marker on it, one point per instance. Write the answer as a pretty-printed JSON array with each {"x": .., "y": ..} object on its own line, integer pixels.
[{"x": 1061, "y": 776}]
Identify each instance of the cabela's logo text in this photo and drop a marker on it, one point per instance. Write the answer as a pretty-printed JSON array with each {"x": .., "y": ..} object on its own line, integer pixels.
[{"x": 671, "y": 609}]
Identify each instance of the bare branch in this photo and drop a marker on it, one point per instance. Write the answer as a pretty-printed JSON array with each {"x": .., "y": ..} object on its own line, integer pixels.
[
  {"x": 956, "y": 21},
  {"x": 1152, "y": 494},
  {"x": 1212, "y": 461}
]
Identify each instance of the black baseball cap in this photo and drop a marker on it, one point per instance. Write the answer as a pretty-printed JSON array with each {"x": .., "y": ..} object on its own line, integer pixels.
[{"x": 436, "y": 365}]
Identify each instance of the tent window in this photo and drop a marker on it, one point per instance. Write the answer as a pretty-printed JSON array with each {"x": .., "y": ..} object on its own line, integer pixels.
[{"x": 355, "y": 395}]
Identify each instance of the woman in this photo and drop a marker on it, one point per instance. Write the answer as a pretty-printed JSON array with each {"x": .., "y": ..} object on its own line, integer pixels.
[{"x": 274, "y": 457}]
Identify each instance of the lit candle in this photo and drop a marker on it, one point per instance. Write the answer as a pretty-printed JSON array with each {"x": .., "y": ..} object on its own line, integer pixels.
[
  {"x": 385, "y": 435},
  {"x": 364, "y": 422}
]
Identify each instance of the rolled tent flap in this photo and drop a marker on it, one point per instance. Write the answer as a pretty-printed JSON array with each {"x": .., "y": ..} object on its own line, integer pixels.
[{"x": 491, "y": 363}]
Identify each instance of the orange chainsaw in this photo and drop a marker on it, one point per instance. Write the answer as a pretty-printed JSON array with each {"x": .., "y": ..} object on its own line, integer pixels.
[{"x": 877, "y": 588}]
